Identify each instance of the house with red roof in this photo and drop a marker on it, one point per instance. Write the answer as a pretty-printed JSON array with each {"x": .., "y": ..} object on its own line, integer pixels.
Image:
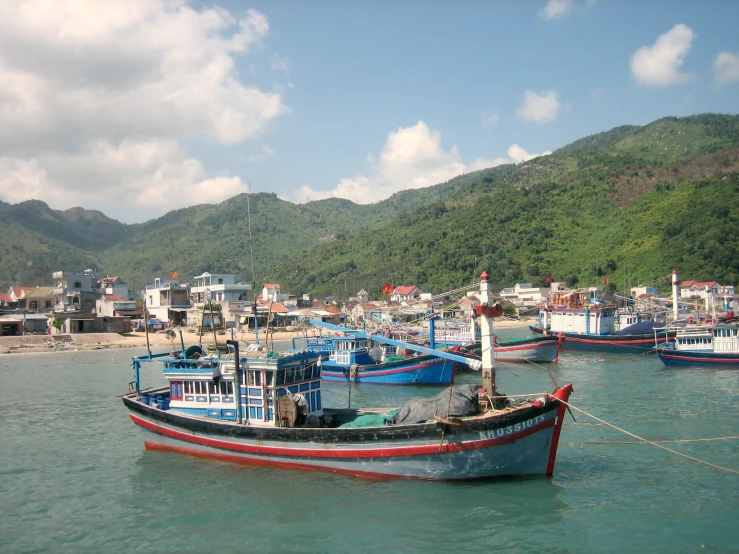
[
  {"x": 700, "y": 289},
  {"x": 273, "y": 292},
  {"x": 405, "y": 293}
]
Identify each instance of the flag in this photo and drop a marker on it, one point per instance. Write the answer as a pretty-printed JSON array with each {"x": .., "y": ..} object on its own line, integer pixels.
[
  {"x": 387, "y": 288},
  {"x": 548, "y": 279},
  {"x": 174, "y": 275},
  {"x": 606, "y": 281}
]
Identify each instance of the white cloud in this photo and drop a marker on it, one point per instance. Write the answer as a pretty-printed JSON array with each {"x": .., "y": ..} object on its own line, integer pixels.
[
  {"x": 659, "y": 65},
  {"x": 265, "y": 151},
  {"x": 154, "y": 172},
  {"x": 123, "y": 82},
  {"x": 726, "y": 68},
  {"x": 411, "y": 158},
  {"x": 555, "y": 8},
  {"x": 516, "y": 155},
  {"x": 280, "y": 63},
  {"x": 489, "y": 119},
  {"x": 540, "y": 107}
]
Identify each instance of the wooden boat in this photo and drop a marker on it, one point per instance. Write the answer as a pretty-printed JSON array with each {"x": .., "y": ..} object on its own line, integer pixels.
[
  {"x": 267, "y": 409},
  {"x": 534, "y": 348},
  {"x": 709, "y": 345},
  {"x": 593, "y": 327},
  {"x": 353, "y": 359}
]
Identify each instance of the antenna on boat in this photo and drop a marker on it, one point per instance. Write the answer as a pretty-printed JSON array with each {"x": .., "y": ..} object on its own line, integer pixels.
[{"x": 253, "y": 278}]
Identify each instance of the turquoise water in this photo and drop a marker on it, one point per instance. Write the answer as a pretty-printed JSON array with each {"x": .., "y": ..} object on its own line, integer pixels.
[{"x": 74, "y": 476}]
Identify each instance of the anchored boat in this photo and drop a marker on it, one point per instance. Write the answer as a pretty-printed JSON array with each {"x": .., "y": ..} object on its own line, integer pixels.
[
  {"x": 265, "y": 408},
  {"x": 709, "y": 345}
]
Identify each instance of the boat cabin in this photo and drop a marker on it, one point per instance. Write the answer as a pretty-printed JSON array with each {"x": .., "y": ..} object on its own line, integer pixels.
[
  {"x": 206, "y": 387},
  {"x": 718, "y": 339},
  {"x": 572, "y": 312}
]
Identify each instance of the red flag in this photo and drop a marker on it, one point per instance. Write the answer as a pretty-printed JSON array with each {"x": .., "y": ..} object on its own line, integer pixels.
[
  {"x": 387, "y": 288},
  {"x": 606, "y": 281},
  {"x": 548, "y": 279}
]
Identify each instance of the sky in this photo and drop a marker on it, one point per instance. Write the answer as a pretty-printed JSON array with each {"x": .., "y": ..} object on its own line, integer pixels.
[{"x": 140, "y": 107}]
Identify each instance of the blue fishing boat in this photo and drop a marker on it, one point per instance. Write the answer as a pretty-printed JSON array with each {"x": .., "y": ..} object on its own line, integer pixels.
[
  {"x": 266, "y": 408},
  {"x": 704, "y": 345}
]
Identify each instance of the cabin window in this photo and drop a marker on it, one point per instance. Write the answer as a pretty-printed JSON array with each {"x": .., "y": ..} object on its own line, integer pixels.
[
  {"x": 280, "y": 377},
  {"x": 188, "y": 387},
  {"x": 269, "y": 378},
  {"x": 290, "y": 375},
  {"x": 201, "y": 387},
  {"x": 299, "y": 373},
  {"x": 175, "y": 390},
  {"x": 316, "y": 371},
  {"x": 308, "y": 372},
  {"x": 255, "y": 378},
  {"x": 226, "y": 388}
]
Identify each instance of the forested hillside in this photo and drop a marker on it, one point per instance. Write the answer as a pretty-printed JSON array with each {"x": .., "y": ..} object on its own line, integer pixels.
[
  {"x": 215, "y": 238},
  {"x": 629, "y": 205}
]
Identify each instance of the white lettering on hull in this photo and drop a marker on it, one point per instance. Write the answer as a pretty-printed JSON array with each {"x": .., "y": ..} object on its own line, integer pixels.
[{"x": 518, "y": 427}]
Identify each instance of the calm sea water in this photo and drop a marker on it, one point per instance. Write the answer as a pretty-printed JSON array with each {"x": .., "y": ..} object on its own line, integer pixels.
[{"x": 75, "y": 477}]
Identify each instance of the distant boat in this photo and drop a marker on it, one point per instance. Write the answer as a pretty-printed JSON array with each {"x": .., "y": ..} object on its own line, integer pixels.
[
  {"x": 588, "y": 326},
  {"x": 349, "y": 358},
  {"x": 266, "y": 408},
  {"x": 710, "y": 345},
  {"x": 534, "y": 348}
]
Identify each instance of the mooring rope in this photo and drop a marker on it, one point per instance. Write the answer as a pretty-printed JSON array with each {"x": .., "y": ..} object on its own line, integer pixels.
[
  {"x": 674, "y": 440},
  {"x": 653, "y": 443}
]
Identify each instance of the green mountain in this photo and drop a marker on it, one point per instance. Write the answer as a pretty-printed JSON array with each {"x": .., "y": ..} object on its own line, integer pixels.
[
  {"x": 215, "y": 238},
  {"x": 629, "y": 204},
  {"x": 38, "y": 241}
]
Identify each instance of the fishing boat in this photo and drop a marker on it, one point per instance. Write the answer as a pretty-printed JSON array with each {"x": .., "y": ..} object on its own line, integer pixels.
[
  {"x": 532, "y": 348},
  {"x": 347, "y": 357},
  {"x": 705, "y": 345},
  {"x": 265, "y": 408},
  {"x": 591, "y": 326}
]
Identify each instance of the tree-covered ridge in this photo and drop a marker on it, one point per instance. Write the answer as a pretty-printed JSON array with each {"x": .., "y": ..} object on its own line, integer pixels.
[
  {"x": 191, "y": 240},
  {"x": 630, "y": 204}
]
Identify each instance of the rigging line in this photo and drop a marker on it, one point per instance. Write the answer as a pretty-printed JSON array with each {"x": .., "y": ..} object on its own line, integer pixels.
[
  {"x": 674, "y": 440},
  {"x": 648, "y": 441},
  {"x": 251, "y": 250}
]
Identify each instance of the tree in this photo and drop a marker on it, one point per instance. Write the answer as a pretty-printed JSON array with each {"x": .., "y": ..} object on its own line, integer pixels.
[{"x": 57, "y": 323}]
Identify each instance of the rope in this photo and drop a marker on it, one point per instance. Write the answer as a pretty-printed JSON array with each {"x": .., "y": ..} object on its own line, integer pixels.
[
  {"x": 675, "y": 440},
  {"x": 648, "y": 441}
]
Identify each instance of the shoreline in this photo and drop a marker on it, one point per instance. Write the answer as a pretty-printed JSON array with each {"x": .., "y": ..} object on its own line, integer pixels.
[{"x": 29, "y": 344}]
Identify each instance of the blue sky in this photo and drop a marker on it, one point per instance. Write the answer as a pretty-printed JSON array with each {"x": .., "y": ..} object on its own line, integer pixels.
[{"x": 142, "y": 107}]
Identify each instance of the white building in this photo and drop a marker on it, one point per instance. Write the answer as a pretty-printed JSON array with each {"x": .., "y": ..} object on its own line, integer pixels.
[
  {"x": 168, "y": 300},
  {"x": 701, "y": 289},
  {"x": 273, "y": 292},
  {"x": 524, "y": 294},
  {"x": 115, "y": 286},
  {"x": 115, "y": 305},
  {"x": 219, "y": 288}
]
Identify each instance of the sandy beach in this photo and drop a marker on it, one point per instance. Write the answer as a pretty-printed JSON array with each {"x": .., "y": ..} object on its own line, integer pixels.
[{"x": 158, "y": 340}]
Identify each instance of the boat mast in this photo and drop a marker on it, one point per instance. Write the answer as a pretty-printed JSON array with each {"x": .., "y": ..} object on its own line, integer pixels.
[
  {"x": 253, "y": 278},
  {"x": 675, "y": 310},
  {"x": 486, "y": 312}
]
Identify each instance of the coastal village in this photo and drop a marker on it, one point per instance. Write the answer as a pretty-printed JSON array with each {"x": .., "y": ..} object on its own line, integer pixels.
[{"x": 81, "y": 303}]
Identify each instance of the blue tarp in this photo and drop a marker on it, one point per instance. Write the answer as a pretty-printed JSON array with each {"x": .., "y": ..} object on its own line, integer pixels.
[{"x": 640, "y": 328}]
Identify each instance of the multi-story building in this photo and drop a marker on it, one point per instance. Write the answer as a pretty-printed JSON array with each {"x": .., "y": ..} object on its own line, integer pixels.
[
  {"x": 75, "y": 292},
  {"x": 168, "y": 300}
]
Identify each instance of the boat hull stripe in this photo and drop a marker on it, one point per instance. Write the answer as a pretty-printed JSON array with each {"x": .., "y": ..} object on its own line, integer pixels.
[{"x": 354, "y": 453}]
